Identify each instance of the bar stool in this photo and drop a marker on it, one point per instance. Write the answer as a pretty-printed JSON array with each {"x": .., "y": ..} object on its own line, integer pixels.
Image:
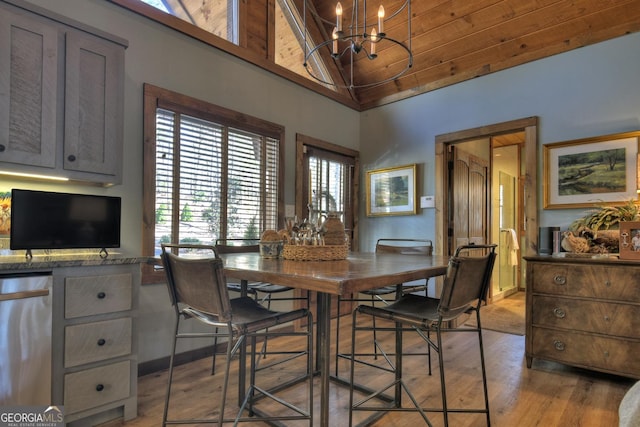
[
  {"x": 198, "y": 290},
  {"x": 264, "y": 292},
  {"x": 464, "y": 289},
  {"x": 409, "y": 247}
]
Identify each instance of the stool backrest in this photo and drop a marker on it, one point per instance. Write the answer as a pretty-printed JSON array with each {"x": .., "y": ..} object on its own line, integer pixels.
[
  {"x": 195, "y": 277},
  {"x": 467, "y": 280},
  {"x": 405, "y": 246}
]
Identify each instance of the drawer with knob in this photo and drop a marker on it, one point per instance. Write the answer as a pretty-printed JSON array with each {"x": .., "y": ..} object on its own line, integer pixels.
[
  {"x": 96, "y": 341},
  {"x": 586, "y": 315},
  {"x": 98, "y": 386},
  {"x": 91, "y": 295},
  {"x": 583, "y": 280},
  {"x": 600, "y": 352}
]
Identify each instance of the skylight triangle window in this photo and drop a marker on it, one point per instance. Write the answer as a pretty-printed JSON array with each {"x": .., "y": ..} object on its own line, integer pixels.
[{"x": 289, "y": 43}]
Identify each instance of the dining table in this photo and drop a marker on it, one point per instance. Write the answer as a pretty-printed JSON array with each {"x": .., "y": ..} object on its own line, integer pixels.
[{"x": 358, "y": 272}]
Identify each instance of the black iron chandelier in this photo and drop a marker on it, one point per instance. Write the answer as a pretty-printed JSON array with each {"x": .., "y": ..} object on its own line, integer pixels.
[{"x": 361, "y": 34}]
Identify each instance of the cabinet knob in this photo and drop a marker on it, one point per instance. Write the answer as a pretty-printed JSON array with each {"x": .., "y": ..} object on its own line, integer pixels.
[
  {"x": 99, "y": 387},
  {"x": 2, "y": 148},
  {"x": 559, "y": 313},
  {"x": 607, "y": 283},
  {"x": 101, "y": 295},
  {"x": 559, "y": 280},
  {"x": 71, "y": 158},
  {"x": 606, "y": 318},
  {"x": 559, "y": 345},
  {"x": 101, "y": 342}
]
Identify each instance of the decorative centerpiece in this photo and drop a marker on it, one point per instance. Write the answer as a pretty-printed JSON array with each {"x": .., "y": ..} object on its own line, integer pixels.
[
  {"x": 598, "y": 232},
  {"x": 270, "y": 244},
  {"x": 322, "y": 241}
]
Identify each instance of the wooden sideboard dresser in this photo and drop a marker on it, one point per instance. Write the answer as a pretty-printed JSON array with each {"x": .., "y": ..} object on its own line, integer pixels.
[{"x": 584, "y": 312}]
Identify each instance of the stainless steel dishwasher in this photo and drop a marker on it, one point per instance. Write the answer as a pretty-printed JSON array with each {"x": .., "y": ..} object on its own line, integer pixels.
[{"x": 25, "y": 339}]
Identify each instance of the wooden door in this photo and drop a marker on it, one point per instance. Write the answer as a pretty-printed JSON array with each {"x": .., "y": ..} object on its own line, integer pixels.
[{"x": 468, "y": 196}]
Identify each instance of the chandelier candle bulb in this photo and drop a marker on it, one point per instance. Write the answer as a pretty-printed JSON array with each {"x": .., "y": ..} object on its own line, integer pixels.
[
  {"x": 335, "y": 41},
  {"x": 374, "y": 40},
  {"x": 381, "y": 20},
  {"x": 339, "y": 16}
]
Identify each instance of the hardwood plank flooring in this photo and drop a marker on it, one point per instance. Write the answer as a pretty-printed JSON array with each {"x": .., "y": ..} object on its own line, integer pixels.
[{"x": 548, "y": 394}]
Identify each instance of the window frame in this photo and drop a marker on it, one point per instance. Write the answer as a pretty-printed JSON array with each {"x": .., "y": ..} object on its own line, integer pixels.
[{"x": 155, "y": 97}]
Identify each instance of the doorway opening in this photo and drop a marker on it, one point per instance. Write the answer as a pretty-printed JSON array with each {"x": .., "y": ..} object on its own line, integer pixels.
[{"x": 502, "y": 209}]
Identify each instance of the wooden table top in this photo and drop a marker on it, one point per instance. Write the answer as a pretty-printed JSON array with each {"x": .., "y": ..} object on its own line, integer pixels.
[{"x": 360, "y": 271}]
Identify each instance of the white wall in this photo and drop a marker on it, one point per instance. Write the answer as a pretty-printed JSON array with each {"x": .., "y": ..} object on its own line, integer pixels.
[{"x": 587, "y": 92}]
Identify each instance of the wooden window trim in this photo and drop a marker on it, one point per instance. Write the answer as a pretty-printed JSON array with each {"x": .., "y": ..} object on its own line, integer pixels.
[{"x": 155, "y": 97}]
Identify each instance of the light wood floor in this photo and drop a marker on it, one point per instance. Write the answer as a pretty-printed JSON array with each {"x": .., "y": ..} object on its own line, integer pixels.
[{"x": 548, "y": 394}]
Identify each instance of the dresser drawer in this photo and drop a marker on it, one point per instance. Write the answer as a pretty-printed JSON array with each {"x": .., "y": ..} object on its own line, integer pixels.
[
  {"x": 588, "y": 351},
  {"x": 90, "y": 295},
  {"x": 92, "y": 342},
  {"x": 592, "y": 281},
  {"x": 608, "y": 318},
  {"x": 95, "y": 387}
]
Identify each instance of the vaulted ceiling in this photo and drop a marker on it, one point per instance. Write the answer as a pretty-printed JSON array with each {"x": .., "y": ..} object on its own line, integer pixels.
[
  {"x": 452, "y": 40},
  {"x": 457, "y": 40}
]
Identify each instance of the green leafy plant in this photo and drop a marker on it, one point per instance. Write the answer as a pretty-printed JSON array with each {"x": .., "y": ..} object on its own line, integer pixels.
[{"x": 606, "y": 217}]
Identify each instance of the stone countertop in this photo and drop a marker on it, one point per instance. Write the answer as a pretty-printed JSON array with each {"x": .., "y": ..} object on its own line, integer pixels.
[{"x": 47, "y": 261}]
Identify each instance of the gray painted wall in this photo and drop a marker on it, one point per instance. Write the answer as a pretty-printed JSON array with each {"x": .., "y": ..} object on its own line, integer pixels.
[
  {"x": 171, "y": 60},
  {"x": 583, "y": 93},
  {"x": 587, "y": 92}
]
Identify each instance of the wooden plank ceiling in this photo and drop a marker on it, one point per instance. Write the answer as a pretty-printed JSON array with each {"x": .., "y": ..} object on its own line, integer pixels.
[
  {"x": 452, "y": 40},
  {"x": 457, "y": 40}
]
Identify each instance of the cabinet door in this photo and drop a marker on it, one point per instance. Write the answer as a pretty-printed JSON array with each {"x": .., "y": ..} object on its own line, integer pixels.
[
  {"x": 93, "y": 105},
  {"x": 28, "y": 90}
]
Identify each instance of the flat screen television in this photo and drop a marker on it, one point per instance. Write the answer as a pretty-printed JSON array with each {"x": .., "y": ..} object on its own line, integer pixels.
[{"x": 50, "y": 220}]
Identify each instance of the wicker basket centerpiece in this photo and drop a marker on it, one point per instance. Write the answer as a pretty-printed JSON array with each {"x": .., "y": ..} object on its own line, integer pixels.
[
  {"x": 315, "y": 241},
  {"x": 315, "y": 252}
]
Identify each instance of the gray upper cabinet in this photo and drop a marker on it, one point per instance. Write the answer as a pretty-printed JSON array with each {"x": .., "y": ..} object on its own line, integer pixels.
[
  {"x": 93, "y": 108},
  {"x": 29, "y": 55},
  {"x": 61, "y": 97}
]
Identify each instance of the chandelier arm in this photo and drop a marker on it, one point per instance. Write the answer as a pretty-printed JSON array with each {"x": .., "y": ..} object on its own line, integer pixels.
[
  {"x": 351, "y": 85},
  {"x": 405, "y": 5}
]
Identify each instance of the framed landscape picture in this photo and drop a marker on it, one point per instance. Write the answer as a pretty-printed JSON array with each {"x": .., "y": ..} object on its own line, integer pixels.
[
  {"x": 586, "y": 172},
  {"x": 391, "y": 191}
]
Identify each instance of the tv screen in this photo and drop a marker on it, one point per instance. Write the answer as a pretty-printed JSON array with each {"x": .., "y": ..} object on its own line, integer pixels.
[{"x": 48, "y": 220}]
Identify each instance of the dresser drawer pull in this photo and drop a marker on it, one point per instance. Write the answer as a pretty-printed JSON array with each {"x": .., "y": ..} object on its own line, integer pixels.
[
  {"x": 559, "y": 313},
  {"x": 101, "y": 295},
  {"x": 607, "y": 284},
  {"x": 101, "y": 342},
  {"x": 559, "y": 280},
  {"x": 99, "y": 387},
  {"x": 559, "y": 345}
]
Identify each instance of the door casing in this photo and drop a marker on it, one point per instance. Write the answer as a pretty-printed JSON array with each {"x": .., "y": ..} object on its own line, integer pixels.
[{"x": 530, "y": 127}]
